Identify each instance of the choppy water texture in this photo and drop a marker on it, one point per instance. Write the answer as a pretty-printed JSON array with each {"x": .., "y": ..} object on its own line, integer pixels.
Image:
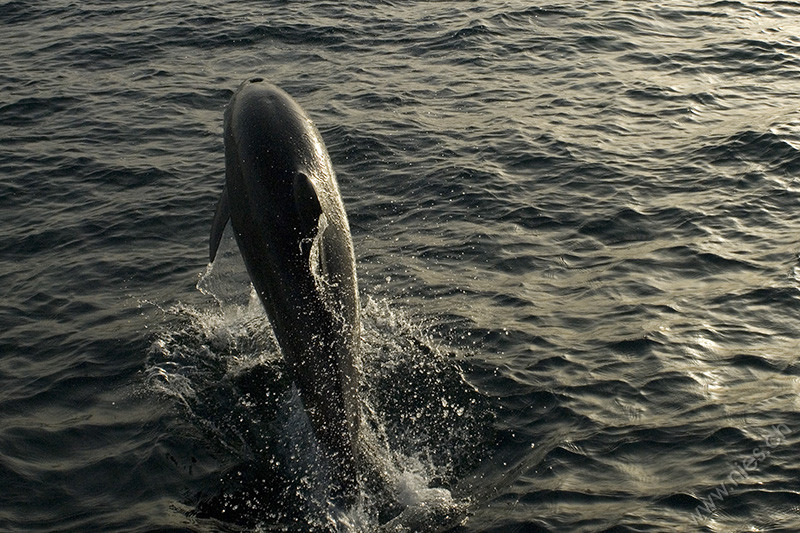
[{"x": 577, "y": 229}]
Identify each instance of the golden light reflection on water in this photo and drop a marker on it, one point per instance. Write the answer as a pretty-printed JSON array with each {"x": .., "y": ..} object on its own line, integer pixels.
[{"x": 741, "y": 390}]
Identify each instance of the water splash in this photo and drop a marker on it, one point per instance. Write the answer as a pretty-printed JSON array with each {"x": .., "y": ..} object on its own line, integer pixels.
[{"x": 425, "y": 426}]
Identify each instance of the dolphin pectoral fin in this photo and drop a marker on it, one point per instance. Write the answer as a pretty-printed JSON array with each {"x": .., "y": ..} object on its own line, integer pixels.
[
  {"x": 307, "y": 204},
  {"x": 221, "y": 217}
]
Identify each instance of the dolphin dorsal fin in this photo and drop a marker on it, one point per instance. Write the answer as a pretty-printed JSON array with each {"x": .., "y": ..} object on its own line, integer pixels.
[
  {"x": 307, "y": 203},
  {"x": 221, "y": 217}
]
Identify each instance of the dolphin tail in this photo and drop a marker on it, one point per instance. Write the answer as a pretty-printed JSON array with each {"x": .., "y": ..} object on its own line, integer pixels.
[{"x": 221, "y": 217}]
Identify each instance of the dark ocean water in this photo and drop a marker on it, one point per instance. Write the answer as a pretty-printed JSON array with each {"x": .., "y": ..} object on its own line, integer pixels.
[{"x": 577, "y": 229}]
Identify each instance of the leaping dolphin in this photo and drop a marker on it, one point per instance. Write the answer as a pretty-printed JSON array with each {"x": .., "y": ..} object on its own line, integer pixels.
[{"x": 283, "y": 201}]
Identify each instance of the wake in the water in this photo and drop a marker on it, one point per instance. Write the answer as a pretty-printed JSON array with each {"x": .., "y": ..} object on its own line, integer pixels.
[{"x": 426, "y": 427}]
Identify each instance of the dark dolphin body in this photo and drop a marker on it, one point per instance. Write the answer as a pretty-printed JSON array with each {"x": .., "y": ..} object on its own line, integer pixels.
[{"x": 282, "y": 198}]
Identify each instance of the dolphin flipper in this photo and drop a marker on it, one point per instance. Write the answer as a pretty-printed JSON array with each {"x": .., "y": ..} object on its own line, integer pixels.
[
  {"x": 218, "y": 226},
  {"x": 309, "y": 212},
  {"x": 307, "y": 204}
]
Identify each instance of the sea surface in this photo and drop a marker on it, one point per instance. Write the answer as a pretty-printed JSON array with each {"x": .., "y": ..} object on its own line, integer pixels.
[{"x": 576, "y": 226}]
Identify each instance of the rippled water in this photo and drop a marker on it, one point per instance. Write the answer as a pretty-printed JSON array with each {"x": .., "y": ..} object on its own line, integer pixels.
[{"x": 577, "y": 229}]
